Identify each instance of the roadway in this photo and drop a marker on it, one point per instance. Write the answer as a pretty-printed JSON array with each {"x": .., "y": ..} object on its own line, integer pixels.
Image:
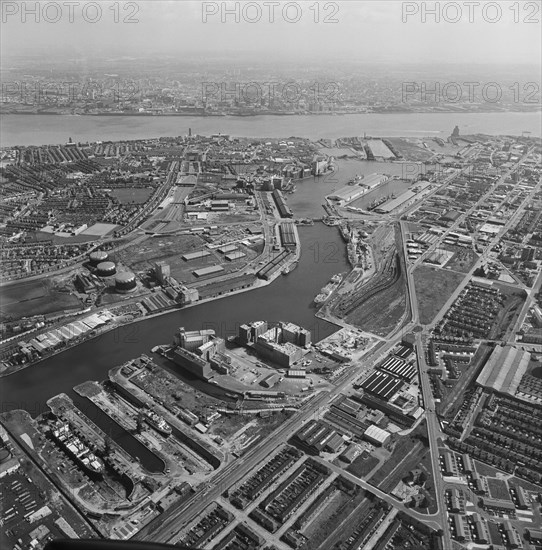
[
  {"x": 165, "y": 527},
  {"x": 434, "y": 430}
]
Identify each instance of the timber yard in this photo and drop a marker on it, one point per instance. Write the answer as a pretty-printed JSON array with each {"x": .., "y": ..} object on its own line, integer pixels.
[{"x": 413, "y": 423}]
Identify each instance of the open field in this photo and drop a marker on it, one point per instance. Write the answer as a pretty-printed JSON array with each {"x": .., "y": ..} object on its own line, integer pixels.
[
  {"x": 408, "y": 452},
  {"x": 132, "y": 195},
  {"x": 35, "y": 298},
  {"x": 498, "y": 489},
  {"x": 362, "y": 465},
  {"x": 433, "y": 288}
]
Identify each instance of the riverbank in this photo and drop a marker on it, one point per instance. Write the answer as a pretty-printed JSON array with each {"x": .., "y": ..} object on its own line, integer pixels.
[
  {"x": 24, "y": 130},
  {"x": 259, "y": 283}
]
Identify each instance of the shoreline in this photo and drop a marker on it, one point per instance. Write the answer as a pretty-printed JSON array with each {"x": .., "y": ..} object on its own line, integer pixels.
[
  {"x": 260, "y": 283},
  {"x": 534, "y": 110}
]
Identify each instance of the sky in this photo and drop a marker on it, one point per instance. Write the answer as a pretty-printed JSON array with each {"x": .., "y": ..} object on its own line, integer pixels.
[{"x": 503, "y": 32}]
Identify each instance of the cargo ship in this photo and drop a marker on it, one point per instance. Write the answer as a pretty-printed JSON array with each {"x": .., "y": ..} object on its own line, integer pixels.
[
  {"x": 320, "y": 299},
  {"x": 73, "y": 446},
  {"x": 157, "y": 422}
]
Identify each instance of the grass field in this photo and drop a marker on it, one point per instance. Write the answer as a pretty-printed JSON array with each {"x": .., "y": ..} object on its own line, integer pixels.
[
  {"x": 408, "y": 452},
  {"x": 433, "y": 288},
  {"x": 132, "y": 195},
  {"x": 34, "y": 298},
  {"x": 498, "y": 488},
  {"x": 362, "y": 465}
]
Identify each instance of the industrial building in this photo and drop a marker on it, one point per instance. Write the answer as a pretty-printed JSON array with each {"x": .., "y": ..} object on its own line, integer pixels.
[
  {"x": 318, "y": 436},
  {"x": 225, "y": 286},
  {"x": 194, "y": 351},
  {"x": 227, "y": 248},
  {"x": 399, "y": 368},
  {"x": 504, "y": 369},
  {"x": 162, "y": 272},
  {"x": 350, "y": 193},
  {"x": 274, "y": 266},
  {"x": 195, "y": 255},
  {"x": 283, "y": 344},
  {"x": 382, "y": 385},
  {"x": 205, "y": 271},
  {"x": 233, "y": 256},
  {"x": 282, "y": 207},
  {"x": 287, "y": 236},
  {"x": 405, "y": 199},
  {"x": 377, "y": 436}
]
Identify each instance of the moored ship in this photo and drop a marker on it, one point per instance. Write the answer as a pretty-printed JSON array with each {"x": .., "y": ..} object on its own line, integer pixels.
[
  {"x": 157, "y": 422},
  {"x": 73, "y": 446}
]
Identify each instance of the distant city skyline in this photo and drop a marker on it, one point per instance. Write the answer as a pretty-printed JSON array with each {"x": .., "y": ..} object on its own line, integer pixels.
[{"x": 365, "y": 32}]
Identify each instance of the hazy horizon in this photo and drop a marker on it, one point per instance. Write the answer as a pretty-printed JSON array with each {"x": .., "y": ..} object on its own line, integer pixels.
[{"x": 365, "y": 31}]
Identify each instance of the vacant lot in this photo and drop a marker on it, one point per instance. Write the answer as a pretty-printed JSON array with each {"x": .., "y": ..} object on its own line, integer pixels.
[
  {"x": 433, "y": 289},
  {"x": 34, "y": 298},
  {"x": 407, "y": 454},
  {"x": 463, "y": 259},
  {"x": 362, "y": 465}
]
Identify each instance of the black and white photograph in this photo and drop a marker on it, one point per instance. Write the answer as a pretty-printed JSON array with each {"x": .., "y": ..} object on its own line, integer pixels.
[{"x": 271, "y": 275}]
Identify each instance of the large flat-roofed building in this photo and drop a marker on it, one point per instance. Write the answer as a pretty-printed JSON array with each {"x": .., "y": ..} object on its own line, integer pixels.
[
  {"x": 287, "y": 235},
  {"x": 227, "y": 248},
  {"x": 405, "y": 199},
  {"x": 233, "y": 256},
  {"x": 206, "y": 271},
  {"x": 382, "y": 385},
  {"x": 225, "y": 286},
  {"x": 376, "y": 435},
  {"x": 349, "y": 193},
  {"x": 195, "y": 255},
  {"x": 504, "y": 369}
]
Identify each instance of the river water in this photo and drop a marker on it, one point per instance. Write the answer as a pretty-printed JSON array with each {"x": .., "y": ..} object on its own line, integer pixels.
[
  {"x": 290, "y": 297},
  {"x": 55, "y": 129}
]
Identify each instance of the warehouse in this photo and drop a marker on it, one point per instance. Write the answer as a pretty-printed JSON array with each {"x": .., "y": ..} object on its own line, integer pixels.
[
  {"x": 504, "y": 369},
  {"x": 237, "y": 255},
  {"x": 227, "y": 248},
  {"x": 399, "y": 368},
  {"x": 348, "y": 193},
  {"x": 282, "y": 207},
  {"x": 376, "y": 436},
  {"x": 382, "y": 385},
  {"x": 203, "y": 272},
  {"x": 195, "y": 255},
  {"x": 287, "y": 235},
  {"x": 219, "y": 288},
  {"x": 270, "y": 381}
]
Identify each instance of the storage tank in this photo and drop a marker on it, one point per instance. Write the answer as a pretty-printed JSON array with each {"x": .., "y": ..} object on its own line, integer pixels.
[
  {"x": 98, "y": 257},
  {"x": 125, "y": 282},
  {"x": 106, "y": 269}
]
